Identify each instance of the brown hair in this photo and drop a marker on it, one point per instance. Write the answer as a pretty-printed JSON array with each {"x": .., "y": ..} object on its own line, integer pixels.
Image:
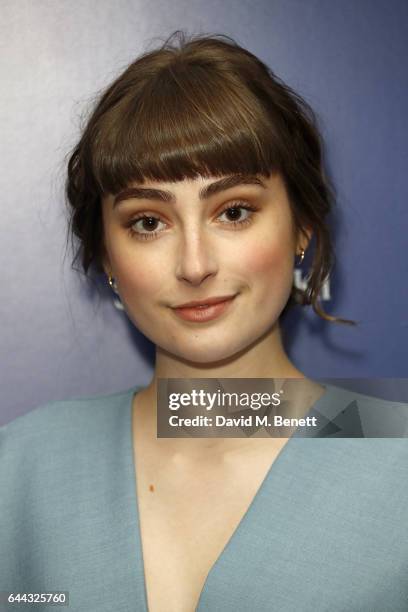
[{"x": 201, "y": 105}]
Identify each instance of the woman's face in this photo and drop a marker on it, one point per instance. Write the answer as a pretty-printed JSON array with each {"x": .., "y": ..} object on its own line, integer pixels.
[{"x": 202, "y": 238}]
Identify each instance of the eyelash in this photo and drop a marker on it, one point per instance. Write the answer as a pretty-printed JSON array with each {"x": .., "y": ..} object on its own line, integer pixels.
[{"x": 153, "y": 234}]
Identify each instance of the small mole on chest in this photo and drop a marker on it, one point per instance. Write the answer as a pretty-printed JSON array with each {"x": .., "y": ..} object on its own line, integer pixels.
[{"x": 151, "y": 488}]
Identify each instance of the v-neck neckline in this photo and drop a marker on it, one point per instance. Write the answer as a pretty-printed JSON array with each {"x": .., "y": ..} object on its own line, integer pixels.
[{"x": 278, "y": 461}]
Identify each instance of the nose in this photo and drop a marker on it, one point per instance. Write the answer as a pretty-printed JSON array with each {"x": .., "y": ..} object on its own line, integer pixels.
[{"x": 196, "y": 259}]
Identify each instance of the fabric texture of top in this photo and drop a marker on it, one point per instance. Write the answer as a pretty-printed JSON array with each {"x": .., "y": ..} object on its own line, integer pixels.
[{"x": 326, "y": 531}]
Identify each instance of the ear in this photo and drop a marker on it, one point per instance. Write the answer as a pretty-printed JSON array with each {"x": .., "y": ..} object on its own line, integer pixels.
[
  {"x": 303, "y": 239},
  {"x": 105, "y": 261}
]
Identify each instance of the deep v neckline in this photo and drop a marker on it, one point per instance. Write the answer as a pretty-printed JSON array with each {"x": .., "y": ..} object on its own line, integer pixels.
[{"x": 277, "y": 464}]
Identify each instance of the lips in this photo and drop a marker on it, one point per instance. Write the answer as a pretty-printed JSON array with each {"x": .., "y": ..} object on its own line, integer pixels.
[
  {"x": 201, "y": 313},
  {"x": 205, "y": 302}
]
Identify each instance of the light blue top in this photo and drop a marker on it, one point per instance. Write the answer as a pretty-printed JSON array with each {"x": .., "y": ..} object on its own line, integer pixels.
[{"x": 327, "y": 530}]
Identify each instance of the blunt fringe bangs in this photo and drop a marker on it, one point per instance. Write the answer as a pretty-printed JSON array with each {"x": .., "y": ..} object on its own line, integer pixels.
[{"x": 200, "y": 106}]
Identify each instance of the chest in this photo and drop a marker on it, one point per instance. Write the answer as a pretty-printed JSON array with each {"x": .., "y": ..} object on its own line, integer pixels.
[{"x": 187, "y": 516}]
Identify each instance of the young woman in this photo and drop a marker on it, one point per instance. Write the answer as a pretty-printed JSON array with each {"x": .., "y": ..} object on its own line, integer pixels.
[{"x": 197, "y": 185}]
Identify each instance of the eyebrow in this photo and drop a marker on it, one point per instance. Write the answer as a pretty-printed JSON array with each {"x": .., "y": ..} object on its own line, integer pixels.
[{"x": 148, "y": 193}]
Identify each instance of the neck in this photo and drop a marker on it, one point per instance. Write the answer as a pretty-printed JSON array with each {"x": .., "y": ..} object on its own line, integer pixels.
[{"x": 265, "y": 359}]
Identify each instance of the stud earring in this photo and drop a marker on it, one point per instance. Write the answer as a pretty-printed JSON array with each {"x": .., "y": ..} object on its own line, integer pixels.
[
  {"x": 301, "y": 255},
  {"x": 117, "y": 302},
  {"x": 112, "y": 283}
]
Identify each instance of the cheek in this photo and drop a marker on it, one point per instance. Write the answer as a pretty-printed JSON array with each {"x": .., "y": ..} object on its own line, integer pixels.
[
  {"x": 268, "y": 268},
  {"x": 138, "y": 280},
  {"x": 264, "y": 259}
]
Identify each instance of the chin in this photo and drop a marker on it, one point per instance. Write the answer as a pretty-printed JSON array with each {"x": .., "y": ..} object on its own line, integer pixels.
[{"x": 206, "y": 355}]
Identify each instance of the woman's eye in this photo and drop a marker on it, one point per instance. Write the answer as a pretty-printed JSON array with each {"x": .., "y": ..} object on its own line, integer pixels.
[
  {"x": 147, "y": 227},
  {"x": 238, "y": 214}
]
